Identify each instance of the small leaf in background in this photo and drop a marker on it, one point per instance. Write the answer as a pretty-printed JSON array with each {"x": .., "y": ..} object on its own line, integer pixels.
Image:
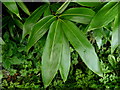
[
  {"x": 98, "y": 36},
  {"x": 52, "y": 53},
  {"x": 6, "y": 64},
  {"x": 63, "y": 7},
  {"x": 116, "y": 29},
  {"x": 32, "y": 20},
  {"x": 39, "y": 29},
  {"x": 79, "y": 15},
  {"x": 12, "y": 7},
  {"x": 1, "y": 41},
  {"x": 23, "y": 7},
  {"x": 47, "y": 11},
  {"x": 65, "y": 58},
  {"x": 89, "y": 4},
  {"x": 112, "y": 60},
  {"x": 82, "y": 46},
  {"x": 15, "y": 60},
  {"x": 104, "y": 16}
]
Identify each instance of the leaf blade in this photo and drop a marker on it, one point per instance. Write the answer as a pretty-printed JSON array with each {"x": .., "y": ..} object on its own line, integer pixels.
[
  {"x": 115, "y": 36},
  {"x": 12, "y": 7},
  {"x": 52, "y": 53},
  {"x": 65, "y": 59},
  {"x": 79, "y": 15},
  {"x": 39, "y": 29},
  {"x": 23, "y": 7},
  {"x": 104, "y": 16},
  {"x": 32, "y": 19},
  {"x": 82, "y": 46}
]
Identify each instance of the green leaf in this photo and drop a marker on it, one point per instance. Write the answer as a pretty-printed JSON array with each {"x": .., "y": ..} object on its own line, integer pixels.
[
  {"x": 104, "y": 16},
  {"x": 65, "y": 58},
  {"x": 39, "y": 29},
  {"x": 52, "y": 53},
  {"x": 112, "y": 60},
  {"x": 63, "y": 7},
  {"x": 1, "y": 41},
  {"x": 79, "y": 15},
  {"x": 18, "y": 23},
  {"x": 115, "y": 36},
  {"x": 15, "y": 60},
  {"x": 23, "y": 7},
  {"x": 12, "y": 7},
  {"x": 98, "y": 36},
  {"x": 82, "y": 46},
  {"x": 32, "y": 20},
  {"x": 47, "y": 11},
  {"x": 89, "y": 4}
]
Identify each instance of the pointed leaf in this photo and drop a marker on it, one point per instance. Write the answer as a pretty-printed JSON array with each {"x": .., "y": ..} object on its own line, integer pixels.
[
  {"x": 82, "y": 46},
  {"x": 32, "y": 19},
  {"x": 115, "y": 36},
  {"x": 79, "y": 15},
  {"x": 39, "y": 29},
  {"x": 12, "y": 7},
  {"x": 65, "y": 58},
  {"x": 63, "y": 7},
  {"x": 47, "y": 11},
  {"x": 23, "y": 7},
  {"x": 104, "y": 16},
  {"x": 52, "y": 53},
  {"x": 98, "y": 36}
]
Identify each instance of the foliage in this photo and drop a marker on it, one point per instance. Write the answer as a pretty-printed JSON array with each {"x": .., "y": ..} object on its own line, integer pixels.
[{"x": 65, "y": 38}]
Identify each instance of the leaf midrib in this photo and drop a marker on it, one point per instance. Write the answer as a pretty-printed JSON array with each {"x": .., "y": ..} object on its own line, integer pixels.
[
  {"x": 53, "y": 41},
  {"x": 74, "y": 35}
]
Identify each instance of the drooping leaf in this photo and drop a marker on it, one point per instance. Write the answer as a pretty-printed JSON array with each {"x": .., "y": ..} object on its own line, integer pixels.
[
  {"x": 104, "y": 16},
  {"x": 89, "y": 4},
  {"x": 12, "y": 7},
  {"x": 63, "y": 7},
  {"x": 115, "y": 32},
  {"x": 47, "y": 11},
  {"x": 79, "y": 15},
  {"x": 65, "y": 58},
  {"x": 52, "y": 53},
  {"x": 98, "y": 36},
  {"x": 18, "y": 23},
  {"x": 23, "y": 7},
  {"x": 39, "y": 29},
  {"x": 32, "y": 20},
  {"x": 82, "y": 46}
]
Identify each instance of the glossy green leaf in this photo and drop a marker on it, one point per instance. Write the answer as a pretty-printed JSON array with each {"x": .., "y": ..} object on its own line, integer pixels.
[
  {"x": 52, "y": 53},
  {"x": 32, "y": 20},
  {"x": 47, "y": 11},
  {"x": 12, "y": 7},
  {"x": 63, "y": 7},
  {"x": 104, "y": 16},
  {"x": 89, "y": 4},
  {"x": 98, "y": 36},
  {"x": 23, "y": 7},
  {"x": 79, "y": 15},
  {"x": 82, "y": 46},
  {"x": 39, "y": 29},
  {"x": 65, "y": 58},
  {"x": 115, "y": 32}
]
